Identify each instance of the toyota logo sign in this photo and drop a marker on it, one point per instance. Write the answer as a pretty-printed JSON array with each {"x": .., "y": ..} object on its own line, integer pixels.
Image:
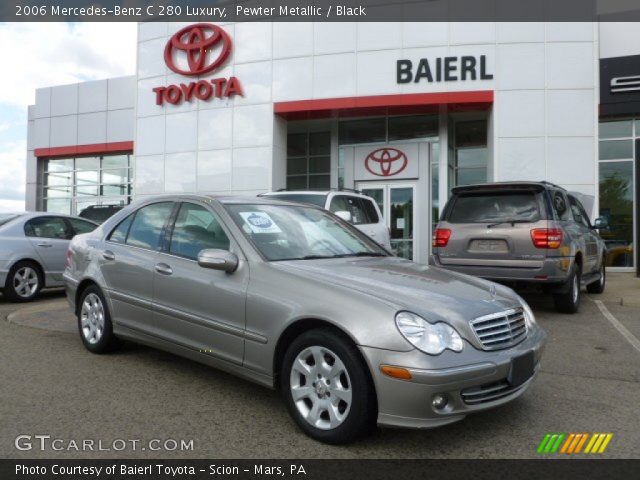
[
  {"x": 196, "y": 42},
  {"x": 386, "y": 162}
]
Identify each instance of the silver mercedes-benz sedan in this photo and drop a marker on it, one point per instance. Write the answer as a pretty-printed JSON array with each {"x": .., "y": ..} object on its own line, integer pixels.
[
  {"x": 33, "y": 248},
  {"x": 293, "y": 297}
]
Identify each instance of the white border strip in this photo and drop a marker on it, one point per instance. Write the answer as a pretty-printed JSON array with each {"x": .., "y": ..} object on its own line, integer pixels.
[{"x": 635, "y": 343}]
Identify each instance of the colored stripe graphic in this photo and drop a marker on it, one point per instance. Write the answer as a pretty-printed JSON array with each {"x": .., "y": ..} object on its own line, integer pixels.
[{"x": 573, "y": 443}]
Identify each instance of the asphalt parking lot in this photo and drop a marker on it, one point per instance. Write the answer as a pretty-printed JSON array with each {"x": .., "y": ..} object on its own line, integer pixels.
[{"x": 589, "y": 382}]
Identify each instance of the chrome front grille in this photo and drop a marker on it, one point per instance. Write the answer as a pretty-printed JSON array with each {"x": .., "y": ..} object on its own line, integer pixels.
[
  {"x": 500, "y": 330},
  {"x": 488, "y": 393}
]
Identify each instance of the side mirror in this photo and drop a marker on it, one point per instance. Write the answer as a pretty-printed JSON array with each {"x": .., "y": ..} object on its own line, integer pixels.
[
  {"x": 216, "y": 259},
  {"x": 344, "y": 215},
  {"x": 601, "y": 222}
]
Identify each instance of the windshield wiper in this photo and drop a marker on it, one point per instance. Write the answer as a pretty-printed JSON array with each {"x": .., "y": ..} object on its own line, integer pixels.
[
  {"x": 339, "y": 255},
  {"x": 512, "y": 221},
  {"x": 363, "y": 254}
]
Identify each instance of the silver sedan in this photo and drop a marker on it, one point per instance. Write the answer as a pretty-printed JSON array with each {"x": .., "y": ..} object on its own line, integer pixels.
[
  {"x": 33, "y": 249},
  {"x": 294, "y": 298}
]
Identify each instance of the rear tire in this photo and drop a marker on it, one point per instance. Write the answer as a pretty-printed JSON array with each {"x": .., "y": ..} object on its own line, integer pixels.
[
  {"x": 335, "y": 401},
  {"x": 94, "y": 321},
  {"x": 597, "y": 287},
  {"x": 24, "y": 282},
  {"x": 569, "y": 302}
]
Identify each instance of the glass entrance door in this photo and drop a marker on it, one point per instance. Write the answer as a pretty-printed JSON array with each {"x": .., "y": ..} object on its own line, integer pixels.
[{"x": 397, "y": 204}]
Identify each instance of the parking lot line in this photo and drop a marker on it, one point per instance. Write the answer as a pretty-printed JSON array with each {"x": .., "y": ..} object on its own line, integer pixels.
[{"x": 635, "y": 343}]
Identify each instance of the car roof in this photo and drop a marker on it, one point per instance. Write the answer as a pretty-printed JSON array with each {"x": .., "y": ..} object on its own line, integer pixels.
[
  {"x": 313, "y": 192},
  {"x": 542, "y": 185}
]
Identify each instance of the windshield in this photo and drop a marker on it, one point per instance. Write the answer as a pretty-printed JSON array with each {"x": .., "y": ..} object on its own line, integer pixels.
[
  {"x": 292, "y": 232},
  {"x": 495, "y": 207},
  {"x": 7, "y": 217}
]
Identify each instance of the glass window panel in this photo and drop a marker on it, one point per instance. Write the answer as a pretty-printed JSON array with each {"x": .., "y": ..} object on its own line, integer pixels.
[
  {"x": 320, "y": 165},
  {"x": 58, "y": 205},
  {"x": 368, "y": 130},
  {"x": 120, "y": 175},
  {"x": 297, "y": 182},
  {"x": 615, "y": 149},
  {"x": 401, "y": 221},
  {"x": 414, "y": 126},
  {"x": 89, "y": 177},
  {"x": 319, "y": 182},
  {"x": 119, "y": 234},
  {"x": 297, "y": 166},
  {"x": 116, "y": 190},
  {"x": 146, "y": 229},
  {"x": 616, "y": 205},
  {"x": 378, "y": 196},
  {"x": 470, "y": 176},
  {"x": 88, "y": 163},
  {"x": 472, "y": 157},
  {"x": 196, "y": 229},
  {"x": 615, "y": 129},
  {"x": 59, "y": 179},
  {"x": 59, "y": 165},
  {"x": 296, "y": 144},
  {"x": 81, "y": 226},
  {"x": 319, "y": 143},
  {"x": 115, "y": 161},
  {"x": 57, "y": 192},
  {"x": 87, "y": 190},
  {"x": 471, "y": 134},
  {"x": 47, "y": 227}
]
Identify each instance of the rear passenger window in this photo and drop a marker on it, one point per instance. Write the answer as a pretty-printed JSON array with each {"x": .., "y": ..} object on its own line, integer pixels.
[
  {"x": 196, "y": 229},
  {"x": 146, "y": 229},
  {"x": 80, "y": 226},
  {"x": 560, "y": 207},
  {"x": 578, "y": 212},
  {"x": 119, "y": 234},
  {"x": 370, "y": 210},
  {"x": 353, "y": 205},
  {"x": 48, "y": 227}
]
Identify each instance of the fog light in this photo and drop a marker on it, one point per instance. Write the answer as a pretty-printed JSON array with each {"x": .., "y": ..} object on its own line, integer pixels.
[{"x": 439, "y": 401}]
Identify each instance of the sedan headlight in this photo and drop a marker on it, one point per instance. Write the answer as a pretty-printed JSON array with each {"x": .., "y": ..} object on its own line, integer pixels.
[
  {"x": 529, "y": 317},
  {"x": 431, "y": 338}
]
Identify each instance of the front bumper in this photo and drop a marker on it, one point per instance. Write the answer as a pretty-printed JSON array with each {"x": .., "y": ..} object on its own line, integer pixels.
[
  {"x": 551, "y": 270},
  {"x": 408, "y": 403}
]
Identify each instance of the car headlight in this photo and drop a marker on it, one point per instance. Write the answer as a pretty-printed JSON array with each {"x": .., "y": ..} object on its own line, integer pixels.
[
  {"x": 529, "y": 317},
  {"x": 431, "y": 338}
]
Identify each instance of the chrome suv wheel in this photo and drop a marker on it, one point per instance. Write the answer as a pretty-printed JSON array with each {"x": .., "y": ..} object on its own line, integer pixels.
[
  {"x": 24, "y": 282},
  {"x": 94, "y": 321},
  {"x": 327, "y": 387}
]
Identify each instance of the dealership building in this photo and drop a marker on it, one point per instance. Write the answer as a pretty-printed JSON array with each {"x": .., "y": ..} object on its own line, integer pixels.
[{"x": 401, "y": 111}]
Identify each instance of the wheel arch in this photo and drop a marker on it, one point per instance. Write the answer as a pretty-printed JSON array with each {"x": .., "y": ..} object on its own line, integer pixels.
[
  {"x": 38, "y": 265},
  {"x": 82, "y": 286}
]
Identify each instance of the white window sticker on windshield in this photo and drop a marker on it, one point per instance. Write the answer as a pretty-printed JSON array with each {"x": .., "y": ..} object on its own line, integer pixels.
[{"x": 260, "y": 222}]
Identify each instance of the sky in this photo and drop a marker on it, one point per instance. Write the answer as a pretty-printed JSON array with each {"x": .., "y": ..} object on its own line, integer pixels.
[{"x": 42, "y": 55}]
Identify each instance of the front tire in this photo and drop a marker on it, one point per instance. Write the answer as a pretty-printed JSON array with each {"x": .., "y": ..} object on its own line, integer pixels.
[
  {"x": 569, "y": 302},
  {"x": 24, "y": 282},
  {"x": 94, "y": 322},
  {"x": 327, "y": 387},
  {"x": 597, "y": 287}
]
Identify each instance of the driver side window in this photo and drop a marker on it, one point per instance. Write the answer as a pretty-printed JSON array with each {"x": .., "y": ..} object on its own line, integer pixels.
[{"x": 196, "y": 229}]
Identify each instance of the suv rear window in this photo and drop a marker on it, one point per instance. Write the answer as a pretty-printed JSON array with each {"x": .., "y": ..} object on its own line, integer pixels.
[
  {"x": 311, "y": 198},
  {"x": 495, "y": 207}
]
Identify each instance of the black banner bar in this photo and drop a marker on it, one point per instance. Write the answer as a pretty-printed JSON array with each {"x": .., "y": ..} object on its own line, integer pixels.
[
  {"x": 319, "y": 10},
  {"x": 544, "y": 468}
]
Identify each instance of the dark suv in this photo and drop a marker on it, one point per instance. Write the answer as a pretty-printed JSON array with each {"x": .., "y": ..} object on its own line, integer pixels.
[{"x": 522, "y": 233}]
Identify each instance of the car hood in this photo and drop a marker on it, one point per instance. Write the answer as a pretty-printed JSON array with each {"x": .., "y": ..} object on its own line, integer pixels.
[{"x": 433, "y": 293}]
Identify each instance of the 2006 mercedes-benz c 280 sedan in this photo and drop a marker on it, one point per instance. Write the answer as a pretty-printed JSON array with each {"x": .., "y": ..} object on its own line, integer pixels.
[{"x": 292, "y": 297}]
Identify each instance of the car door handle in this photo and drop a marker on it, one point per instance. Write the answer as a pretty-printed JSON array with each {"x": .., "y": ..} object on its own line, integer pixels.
[
  {"x": 108, "y": 255},
  {"x": 45, "y": 245},
  {"x": 164, "y": 269}
]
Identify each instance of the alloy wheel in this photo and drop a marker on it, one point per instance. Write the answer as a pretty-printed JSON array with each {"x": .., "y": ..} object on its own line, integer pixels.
[
  {"x": 321, "y": 387},
  {"x": 92, "y": 318},
  {"x": 26, "y": 282}
]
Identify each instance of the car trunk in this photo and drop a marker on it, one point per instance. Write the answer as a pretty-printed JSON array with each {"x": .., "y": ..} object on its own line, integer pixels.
[{"x": 493, "y": 228}]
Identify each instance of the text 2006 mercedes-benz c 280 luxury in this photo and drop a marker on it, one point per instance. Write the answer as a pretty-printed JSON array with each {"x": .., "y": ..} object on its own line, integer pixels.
[{"x": 292, "y": 297}]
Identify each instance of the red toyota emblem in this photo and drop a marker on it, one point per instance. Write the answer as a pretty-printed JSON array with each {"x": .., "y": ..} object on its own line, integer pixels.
[
  {"x": 386, "y": 162},
  {"x": 197, "y": 41}
]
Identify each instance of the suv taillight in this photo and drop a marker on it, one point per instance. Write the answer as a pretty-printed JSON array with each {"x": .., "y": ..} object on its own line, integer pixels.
[
  {"x": 441, "y": 237},
  {"x": 546, "y": 237}
]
